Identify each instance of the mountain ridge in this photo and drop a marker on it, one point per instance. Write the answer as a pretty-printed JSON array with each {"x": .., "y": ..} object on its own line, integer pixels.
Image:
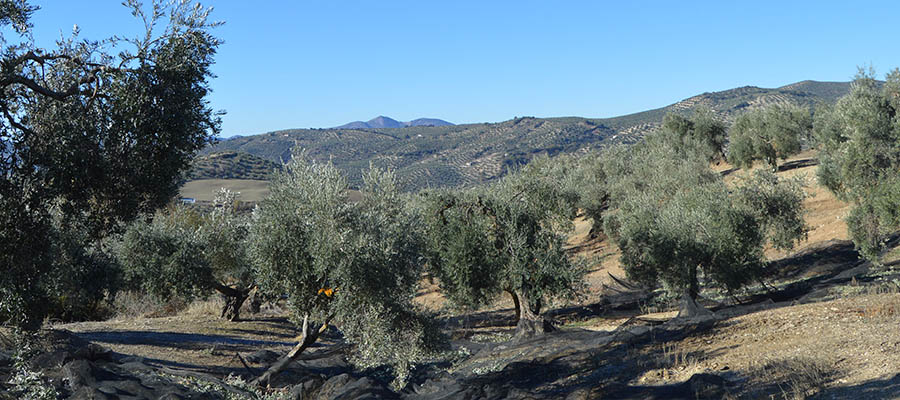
[
  {"x": 382, "y": 122},
  {"x": 470, "y": 154}
]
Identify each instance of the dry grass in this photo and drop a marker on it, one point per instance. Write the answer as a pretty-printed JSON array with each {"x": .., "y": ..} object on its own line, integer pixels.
[
  {"x": 837, "y": 343},
  {"x": 128, "y": 304},
  {"x": 798, "y": 378},
  {"x": 667, "y": 363},
  {"x": 204, "y": 308}
]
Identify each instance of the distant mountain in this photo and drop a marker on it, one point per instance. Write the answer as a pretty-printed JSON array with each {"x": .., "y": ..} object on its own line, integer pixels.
[
  {"x": 461, "y": 155},
  {"x": 382, "y": 122},
  {"x": 428, "y": 122}
]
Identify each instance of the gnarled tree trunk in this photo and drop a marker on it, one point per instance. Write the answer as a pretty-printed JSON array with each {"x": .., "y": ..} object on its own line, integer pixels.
[
  {"x": 530, "y": 323},
  {"x": 689, "y": 308},
  {"x": 516, "y": 305},
  {"x": 234, "y": 299},
  {"x": 306, "y": 340},
  {"x": 255, "y": 300}
]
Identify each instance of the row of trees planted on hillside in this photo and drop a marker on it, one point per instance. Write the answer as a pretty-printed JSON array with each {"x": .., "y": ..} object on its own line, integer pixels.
[
  {"x": 675, "y": 220},
  {"x": 92, "y": 145},
  {"x": 860, "y": 158}
]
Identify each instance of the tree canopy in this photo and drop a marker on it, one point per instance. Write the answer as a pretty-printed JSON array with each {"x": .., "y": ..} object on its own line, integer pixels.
[
  {"x": 860, "y": 157},
  {"x": 353, "y": 264},
  {"x": 506, "y": 237},
  {"x": 706, "y": 133},
  {"x": 674, "y": 218},
  {"x": 769, "y": 133},
  {"x": 90, "y": 139},
  {"x": 179, "y": 252}
]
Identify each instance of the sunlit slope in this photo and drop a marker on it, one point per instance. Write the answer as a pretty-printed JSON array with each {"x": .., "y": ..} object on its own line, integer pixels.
[{"x": 464, "y": 155}]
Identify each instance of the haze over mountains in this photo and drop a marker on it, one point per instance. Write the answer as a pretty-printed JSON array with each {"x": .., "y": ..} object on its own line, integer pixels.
[
  {"x": 388, "y": 122},
  {"x": 469, "y": 154}
]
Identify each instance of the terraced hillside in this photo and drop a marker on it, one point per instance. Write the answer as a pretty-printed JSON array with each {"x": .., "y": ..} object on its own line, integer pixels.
[
  {"x": 462, "y": 155},
  {"x": 232, "y": 165}
]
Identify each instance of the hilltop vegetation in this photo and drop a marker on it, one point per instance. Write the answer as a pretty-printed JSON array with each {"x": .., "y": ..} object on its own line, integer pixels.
[
  {"x": 232, "y": 165},
  {"x": 465, "y": 155}
]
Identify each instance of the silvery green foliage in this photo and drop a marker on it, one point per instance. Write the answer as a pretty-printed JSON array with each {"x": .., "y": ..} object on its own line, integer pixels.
[
  {"x": 507, "y": 236},
  {"x": 224, "y": 234},
  {"x": 702, "y": 131},
  {"x": 163, "y": 255},
  {"x": 860, "y": 157},
  {"x": 769, "y": 133},
  {"x": 674, "y": 218},
  {"x": 356, "y": 264}
]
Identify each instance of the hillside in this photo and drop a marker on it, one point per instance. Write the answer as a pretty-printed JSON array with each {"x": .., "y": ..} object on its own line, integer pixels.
[
  {"x": 461, "y": 155},
  {"x": 232, "y": 165}
]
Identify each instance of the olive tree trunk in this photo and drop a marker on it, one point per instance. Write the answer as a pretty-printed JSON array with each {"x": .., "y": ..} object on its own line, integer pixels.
[
  {"x": 531, "y": 323},
  {"x": 307, "y": 339},
  {"x": 689, "y": 308},
  {"x": 234, "y": 300},
  {"x": 516, "y": 305}
]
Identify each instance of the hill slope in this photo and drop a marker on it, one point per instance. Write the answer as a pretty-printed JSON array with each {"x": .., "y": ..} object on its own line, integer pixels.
[
  {"x": 441, "y": 156},
  {"x": 232, "y": 165}
]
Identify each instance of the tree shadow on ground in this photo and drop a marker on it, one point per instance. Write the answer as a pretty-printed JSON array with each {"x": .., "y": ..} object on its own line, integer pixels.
[
  {"x": 787, "y": 166},
  {"x": 177, "y": 340},
  {"x": 874, "y": 389},
  {"x": 575, "y": 362},
  {"x": 795, "y": 164}
]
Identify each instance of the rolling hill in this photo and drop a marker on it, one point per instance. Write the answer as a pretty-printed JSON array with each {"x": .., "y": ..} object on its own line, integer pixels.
[
  {"x": 387, "y": 122},
  {"x": 469, "y": 154},
  {"x": 232, "y": 165}
]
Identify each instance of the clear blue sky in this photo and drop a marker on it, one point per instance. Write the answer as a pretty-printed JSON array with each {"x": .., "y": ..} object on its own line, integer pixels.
[{"x": 294, "y": 64}]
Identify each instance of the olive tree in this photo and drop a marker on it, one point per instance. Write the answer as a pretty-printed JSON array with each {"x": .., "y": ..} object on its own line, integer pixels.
[
  {"x": 577, "y": 182},
  {"x": 676, "y": 221},
  {"x": 225, "y": 236},
  {"x": 91, "y": 138},
  {"x": 860, "y": 157},
  {"x": 507, "y": 237},
  {"x": 705, "y": 132},
  {"x": 179, "y": 252},
  {"x": 352, "y": 264},
  {"x": 162, "y": 255},
  {"x": 768, "y": 133}
]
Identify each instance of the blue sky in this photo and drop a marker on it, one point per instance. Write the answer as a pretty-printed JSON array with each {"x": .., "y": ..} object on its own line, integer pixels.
[{"x": 297, "y": 64}]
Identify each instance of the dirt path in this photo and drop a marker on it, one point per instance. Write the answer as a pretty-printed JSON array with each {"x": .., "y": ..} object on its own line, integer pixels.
[{"x": 199, "y": 343}]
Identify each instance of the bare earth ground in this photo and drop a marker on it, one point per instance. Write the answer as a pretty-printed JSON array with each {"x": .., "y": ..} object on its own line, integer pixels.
[
  {"x": 204, "y": 189},
  {"x": 838, "y": 337}
]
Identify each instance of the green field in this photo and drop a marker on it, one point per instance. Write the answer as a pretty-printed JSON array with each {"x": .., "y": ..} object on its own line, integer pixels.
[{"x": 203, "y": 189}]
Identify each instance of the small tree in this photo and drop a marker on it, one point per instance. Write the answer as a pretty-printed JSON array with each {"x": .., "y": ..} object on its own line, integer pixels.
[
  {"x": 860, "y": 157},
  {"x": 707, "y": 133},
  {"x": 505, "y": 238},
  {"x": 674, "y": 219},
  {"x": 769, "y": 133},
  {"x": 225, "y": 236},
  {"x": 163, "y": 255},
  {"x": 179, "y": 252},
  {"x": 353, "y": 264}
]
